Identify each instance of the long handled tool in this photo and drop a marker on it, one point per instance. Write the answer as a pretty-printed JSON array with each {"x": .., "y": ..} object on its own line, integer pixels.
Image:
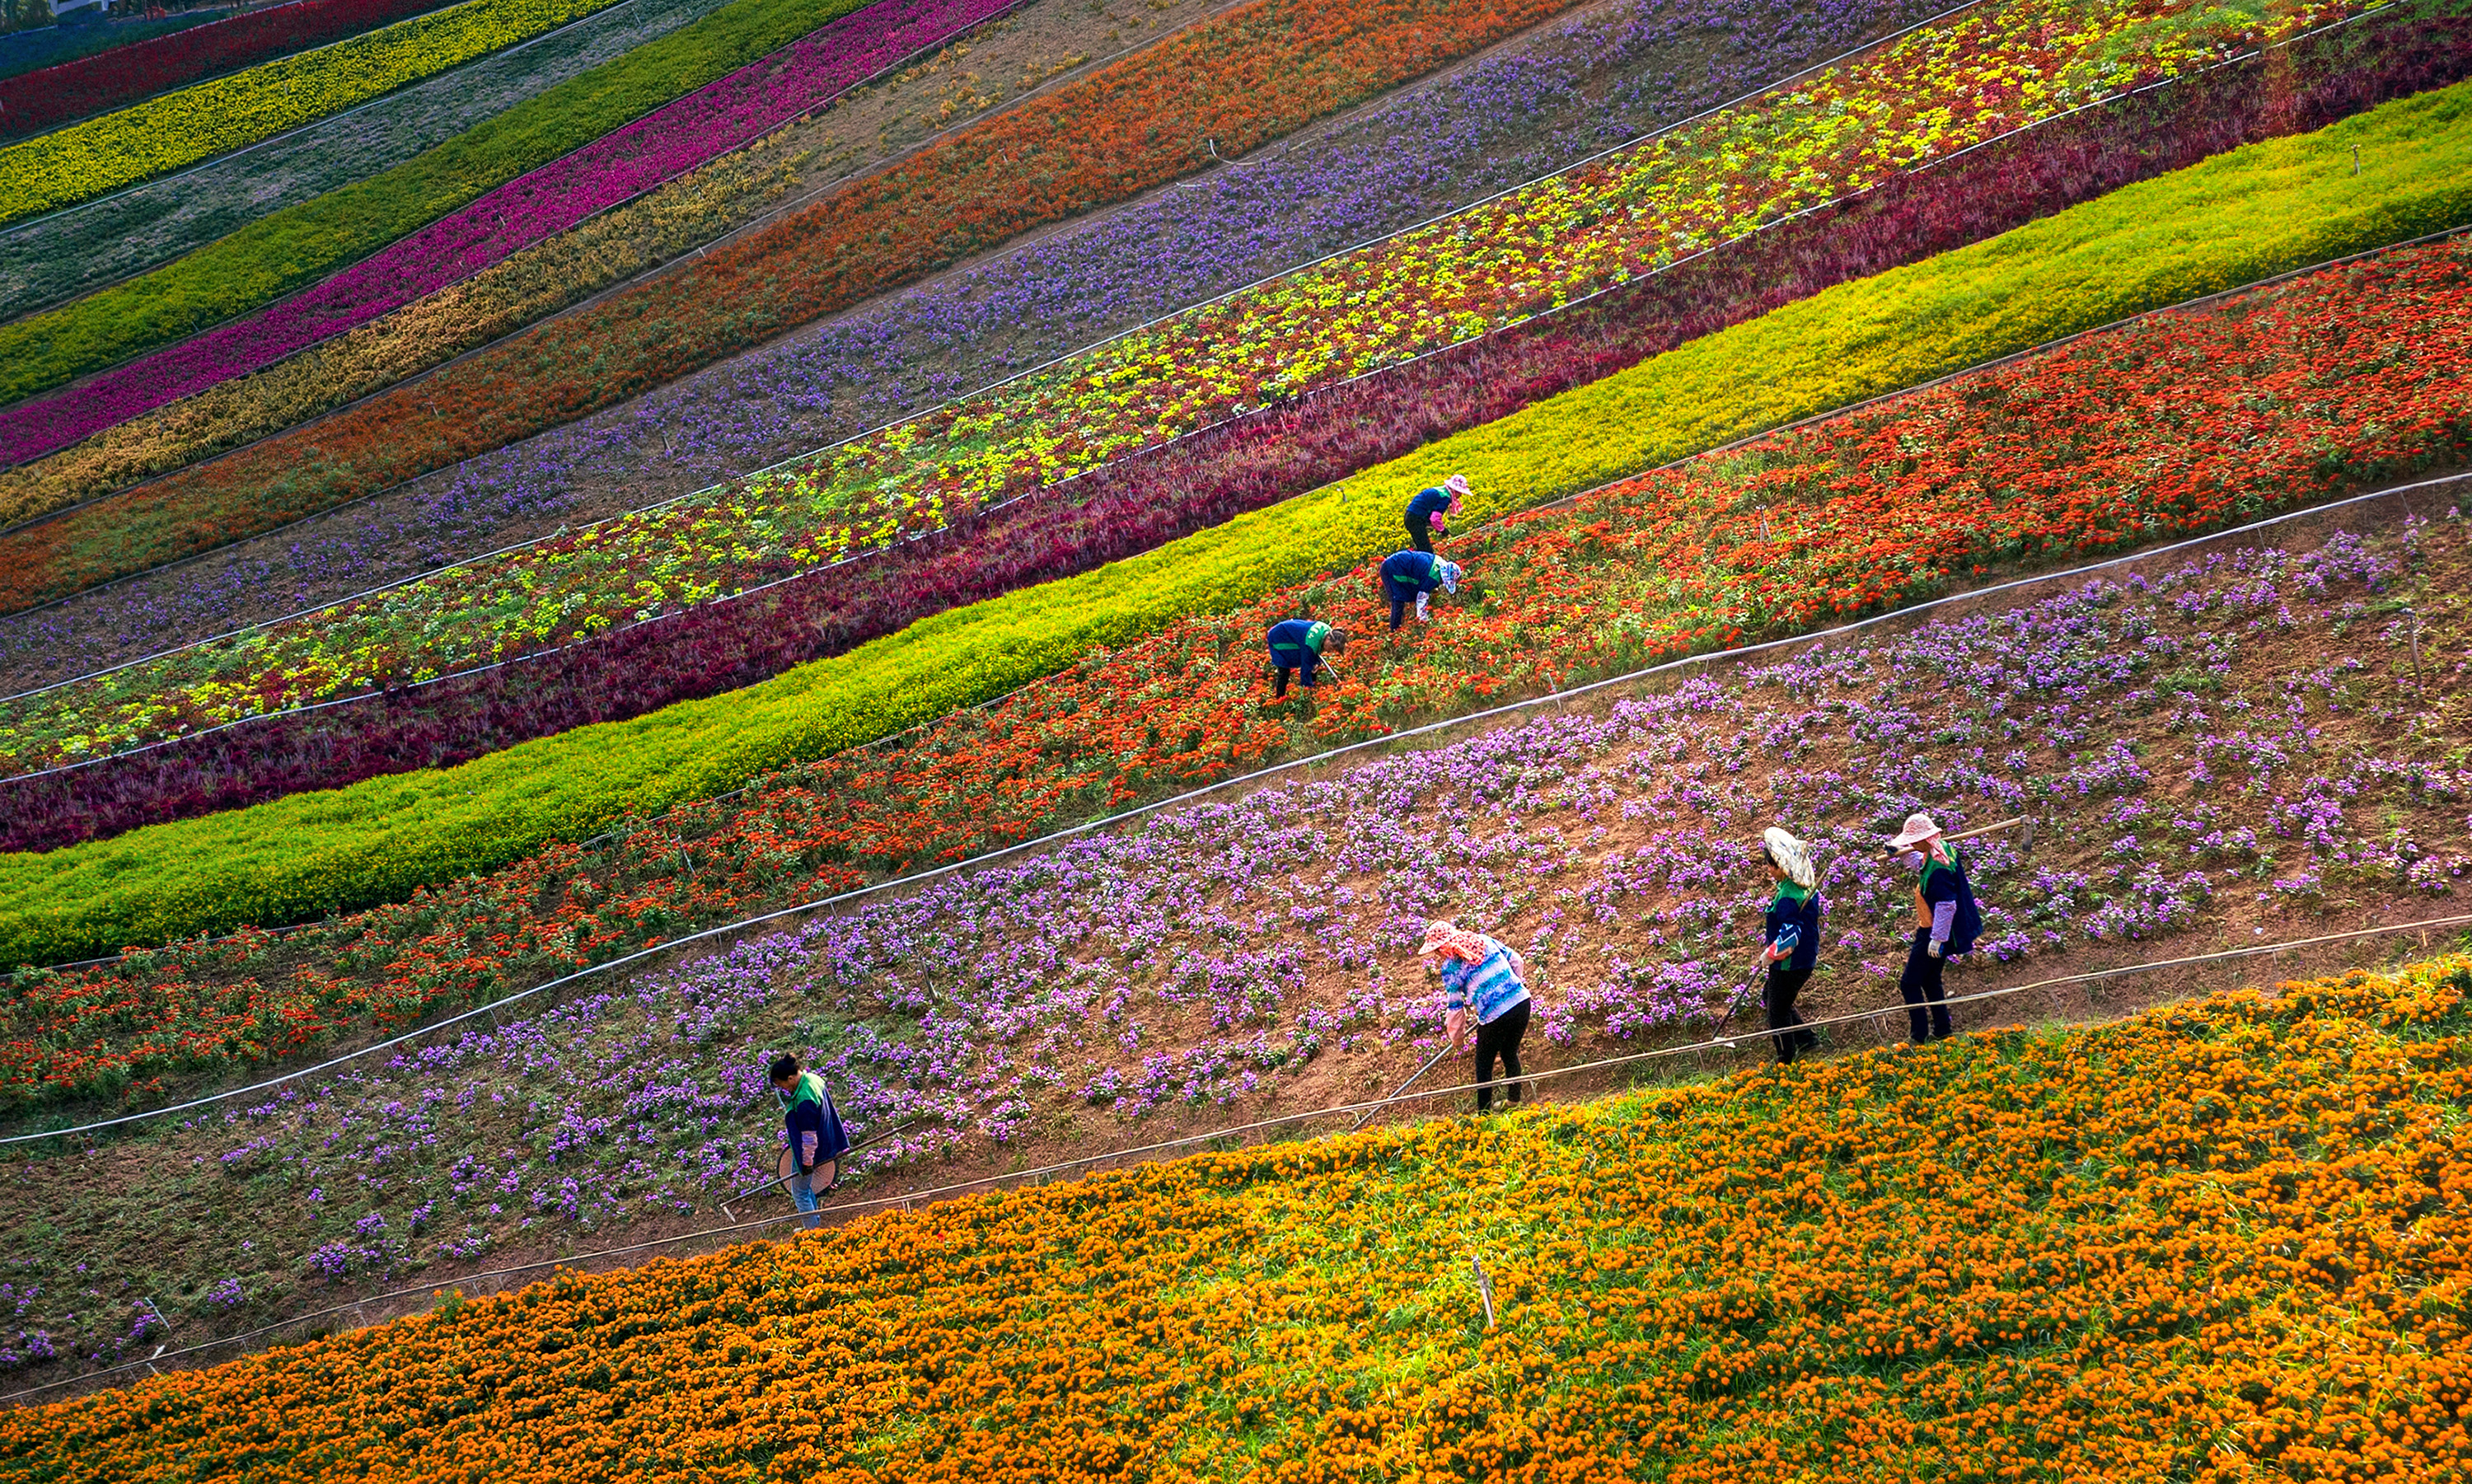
[
  {"x": 1420, "y": 1071},
  {"x": 1734, "y": 1003},
  {"x": 874, "y": 1139},
  {"x": 1983, "y": 829}
]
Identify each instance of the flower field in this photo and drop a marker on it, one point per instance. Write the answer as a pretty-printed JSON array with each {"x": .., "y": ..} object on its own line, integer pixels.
[
  {"x": 1242, "y": 80},
  {"x": 33, "y": 101},
  {"x": 2248, "y": 212},
  {"x": 83, "y": 160},
  {"x": 554, "y": 552},
  {"x": 1866, "y": 510},
  {"x": 52, "y": 46},
  {"x": 276, "y": 254},
  {"x": 49, "y": 260},
  {"x": 615, "y": 168},
  {"x": 2230, "y": 747},
  {"x": 2059, "y": 1255},
  {"x": 639, "y": 568},
  {"x": 1533, "y": 105}
]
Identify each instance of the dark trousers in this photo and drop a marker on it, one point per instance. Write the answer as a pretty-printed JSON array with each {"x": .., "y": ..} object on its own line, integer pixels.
[
  {"x": 1285, "y": 671},
  {"x": 1921, "y": 985},
  {"x": 1421, "y": 532},
  {"x": 1499, "y": 1037},
  {"x": 1402, "y": 600},
  {"x": 1784, "y": 984}
]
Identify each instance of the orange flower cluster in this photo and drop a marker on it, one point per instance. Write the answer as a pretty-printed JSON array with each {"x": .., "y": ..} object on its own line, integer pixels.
[{"x": 2219, "y": 1242}]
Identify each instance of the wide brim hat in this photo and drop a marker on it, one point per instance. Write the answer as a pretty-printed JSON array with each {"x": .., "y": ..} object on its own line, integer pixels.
[
  {"x": 1792, "y": 856},
  {"x": 1918, "y": 828},
  {"x": 1457, "y": 484},
  {"x": 1438, "y": 932}
]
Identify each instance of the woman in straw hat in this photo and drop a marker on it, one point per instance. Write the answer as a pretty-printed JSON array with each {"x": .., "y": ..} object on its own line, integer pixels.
[
  {"x": 1947, "y": 923},
  {"x": 1481, "y": 977},
  {"x": 1792, "y": 940},
  {"x": 1426, "y": 510}
]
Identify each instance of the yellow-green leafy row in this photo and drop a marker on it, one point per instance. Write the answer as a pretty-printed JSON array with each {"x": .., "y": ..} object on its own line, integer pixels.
[
  {"x": 162, "y": 134},
  {"x": 2233, "y": 220}
]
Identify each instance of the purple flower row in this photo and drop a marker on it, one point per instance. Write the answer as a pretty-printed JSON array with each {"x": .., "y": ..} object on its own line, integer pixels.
[
  {"x": 1563, "y": 94},
  {"x": 663, "y": 144},
  {"x": 1207, "y": 956},
  {"x": 1140, "y": 501}
]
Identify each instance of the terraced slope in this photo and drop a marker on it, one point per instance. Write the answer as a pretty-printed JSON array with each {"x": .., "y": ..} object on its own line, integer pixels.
[
  {"x": 809, "y": 75},
  {"x": 913, "y": 484},
  {"x": 1873, "y": 507},
  {"x": 143, "y": 59},
  {"x": 1245, "y": 77},
  {"x": 49, "y": 260},
  {"x": 1535, "y": 104},
  {"x": 277, "y": 254},
  {"x": 162, "y": 134},
  {"x": 2241, "y": 216}
]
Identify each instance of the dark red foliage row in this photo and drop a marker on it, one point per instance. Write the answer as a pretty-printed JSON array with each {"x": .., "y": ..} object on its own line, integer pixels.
[
  {"x": 33, "y": 101},
  {"x": 1143, "y": 501}
]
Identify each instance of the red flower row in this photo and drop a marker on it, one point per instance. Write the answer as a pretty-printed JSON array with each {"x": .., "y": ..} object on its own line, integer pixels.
[
  {"x": 1246, "y": 78},
  {"x": 2183, "y": 422}
]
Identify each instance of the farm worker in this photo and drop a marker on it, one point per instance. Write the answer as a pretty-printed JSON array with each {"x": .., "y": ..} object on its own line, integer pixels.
[
  {"x": 1947, "y": 923},
  {"x": 1793, "y": 934},
  {"x": 813, "y": 1131},
  {"x": 1299, "y": 645},
  {"x": 1481, "y": 977},
  {"x": 1426, "y": 511},
  {"x": 1410, "y": 577}
]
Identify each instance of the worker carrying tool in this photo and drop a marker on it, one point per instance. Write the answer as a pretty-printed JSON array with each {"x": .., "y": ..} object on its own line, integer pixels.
[
  {"x": 1947, "y": 923},
  {"x": 1426, "y": 510},
  {"x": 1792, "y": 933},
  {"x": 1300, "y": 645},
  {"x": 811, "y": 1135},
  {"x": 1412, "y": 577},
  {"x": 1485, "y": 977}
]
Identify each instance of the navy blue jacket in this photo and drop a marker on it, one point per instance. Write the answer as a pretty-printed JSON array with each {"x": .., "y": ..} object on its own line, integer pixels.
[
  {"x": 1291, "y": 648},
  {"x": 1803, "y": 917},
  {"x": 811, "y": 1111},
  {"x": 1947, "y": 883},
  {"x": 1406, "y": 573},
  {"x": 1428, "y": 502}
]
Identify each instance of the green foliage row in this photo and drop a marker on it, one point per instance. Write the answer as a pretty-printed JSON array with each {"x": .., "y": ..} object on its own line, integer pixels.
[
  {"x": 158, "y": 135},
  {"x": 2233, "y": 220},
  {"x": 301, "y": 245}
]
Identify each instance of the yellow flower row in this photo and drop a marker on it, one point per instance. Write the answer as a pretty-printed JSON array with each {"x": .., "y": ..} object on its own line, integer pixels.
[
  {"x": 2218, "y": 1242},
  {"x": 2231, "y": 220},
  {"x": 162, "y": 134}
]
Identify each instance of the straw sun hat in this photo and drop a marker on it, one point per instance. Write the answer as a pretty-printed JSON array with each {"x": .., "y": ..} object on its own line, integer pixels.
[
  {"x": 1918, "y": 828},
  {"x": 1792, "y": 856}
]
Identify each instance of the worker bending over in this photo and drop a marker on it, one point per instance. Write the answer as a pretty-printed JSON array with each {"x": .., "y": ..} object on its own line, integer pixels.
[
  {"x": 1410, "y": 577},
  {"x": 1483, "y": 977},
  {"x": 1425, "y": 511},
  {"x": 1300, "y": 644}
]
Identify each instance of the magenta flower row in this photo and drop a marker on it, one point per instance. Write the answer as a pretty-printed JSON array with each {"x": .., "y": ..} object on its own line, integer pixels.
[{"x": 661, "y": 146}]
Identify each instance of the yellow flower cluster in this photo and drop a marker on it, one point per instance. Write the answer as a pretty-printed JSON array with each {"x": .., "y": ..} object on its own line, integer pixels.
[
  {"x": 2238, "y": 217},
  {"x": 1494, "y": 265},
  {"x": 2219, "y": 1242}
]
